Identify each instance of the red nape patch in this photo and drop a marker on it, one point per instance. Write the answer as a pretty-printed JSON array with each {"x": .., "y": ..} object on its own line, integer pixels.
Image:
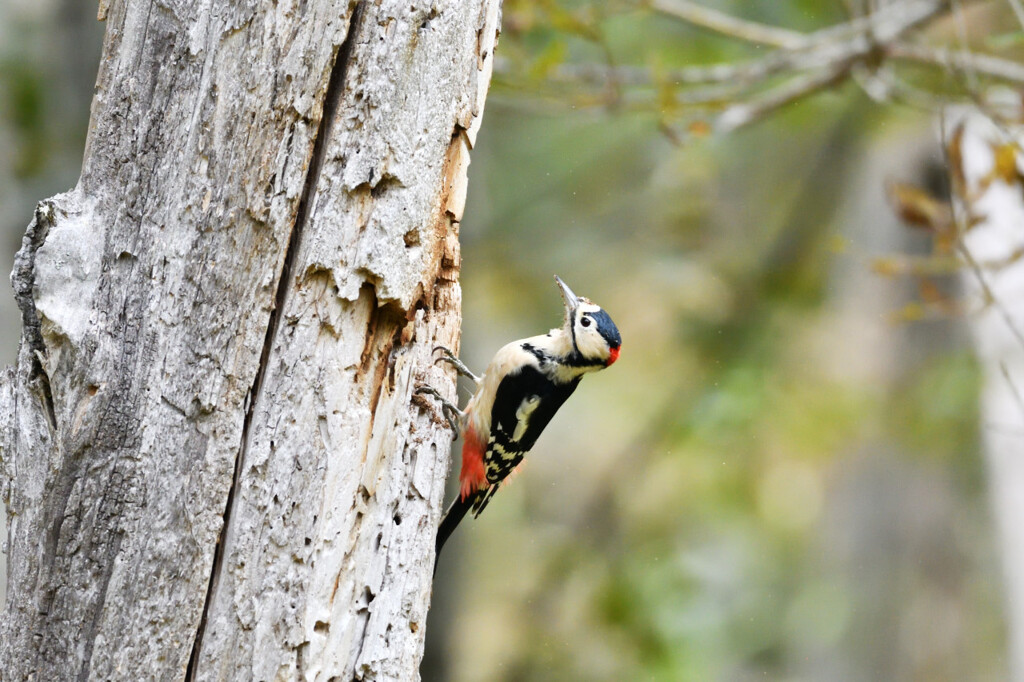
[
  {"x": 473, "y": 476},
  {"x": 613, "y": 355}
]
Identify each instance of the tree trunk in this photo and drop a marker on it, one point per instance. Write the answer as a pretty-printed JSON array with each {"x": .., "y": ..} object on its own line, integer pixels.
[
  {"x": 989, "y": 186},
  {"x": 212, "y": 459}
]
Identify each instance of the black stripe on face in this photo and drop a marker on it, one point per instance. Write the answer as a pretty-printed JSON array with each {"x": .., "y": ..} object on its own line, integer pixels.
[
  {"x": 541, "y": 356},
  {"x": 572, "y": 332},
  {"x": 577, "y": 360}
]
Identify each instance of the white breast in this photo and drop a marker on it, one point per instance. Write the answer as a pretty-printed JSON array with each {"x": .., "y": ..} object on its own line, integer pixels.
[{"x": 511, "y": 358}]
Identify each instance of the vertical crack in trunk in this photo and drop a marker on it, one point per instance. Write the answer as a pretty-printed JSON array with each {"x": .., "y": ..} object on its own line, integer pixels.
[
  {"x": 332, "y": 100},
  {"x": 23, "y": 279}
]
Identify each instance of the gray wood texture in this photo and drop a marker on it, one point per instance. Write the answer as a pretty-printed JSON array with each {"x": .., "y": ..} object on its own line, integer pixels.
[{"x": 213, "y": 461}]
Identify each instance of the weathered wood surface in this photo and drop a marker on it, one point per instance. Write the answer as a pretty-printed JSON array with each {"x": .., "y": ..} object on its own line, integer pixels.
[{"x": 212, "y": 458}]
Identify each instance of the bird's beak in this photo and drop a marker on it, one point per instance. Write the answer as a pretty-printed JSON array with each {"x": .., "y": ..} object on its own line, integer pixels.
[
  {"x": 571, "y": 299},
  {"x": 571, "y": 302}
]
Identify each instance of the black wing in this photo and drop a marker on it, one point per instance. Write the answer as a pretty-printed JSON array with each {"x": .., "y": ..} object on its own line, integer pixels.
[
  {"x": 504, "y": 450},
  {"x": 511, "y": 438}
]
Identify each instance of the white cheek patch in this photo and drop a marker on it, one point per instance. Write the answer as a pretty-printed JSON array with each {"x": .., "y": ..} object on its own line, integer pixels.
[
  {"x": 526, "y": 408},
  {"x": 588, "y": 340},
  {"x": 590, "y": 343}
]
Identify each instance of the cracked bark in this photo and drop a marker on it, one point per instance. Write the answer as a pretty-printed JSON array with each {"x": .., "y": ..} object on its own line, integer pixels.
[{"x": 211, "y": 461}]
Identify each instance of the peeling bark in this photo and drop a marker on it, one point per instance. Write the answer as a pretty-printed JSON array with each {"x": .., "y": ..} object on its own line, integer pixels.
[{"x": 211, "y": 459}]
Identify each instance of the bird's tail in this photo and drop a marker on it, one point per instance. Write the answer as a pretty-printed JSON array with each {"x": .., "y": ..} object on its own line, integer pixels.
[
  {"x": 474, "y": 502},
  {"x": 451, "y": 520}
]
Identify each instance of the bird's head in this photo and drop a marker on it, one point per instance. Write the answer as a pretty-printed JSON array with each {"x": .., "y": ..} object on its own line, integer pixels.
[{"x": 594, "y": 336}]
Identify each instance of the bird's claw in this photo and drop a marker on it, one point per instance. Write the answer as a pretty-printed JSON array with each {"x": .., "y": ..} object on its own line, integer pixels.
[
  {"x": 452, "y": 414},
  {"x": 454, "y": 361}
]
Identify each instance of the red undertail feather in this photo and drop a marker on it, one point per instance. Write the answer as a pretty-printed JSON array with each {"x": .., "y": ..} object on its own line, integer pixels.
[{"x": 473, "y": 476}]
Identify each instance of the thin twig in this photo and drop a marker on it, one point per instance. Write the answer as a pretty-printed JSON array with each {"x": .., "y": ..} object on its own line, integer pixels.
[
  {"x": 972, "y": 263},
  {"x": 726, "y": 24},
  {"x": 990, "y": 296},
  {"x": 829, "y": 46},
  {"x": 883, "y": 25},
  {"x": 1013, "y": 386},
  {"x": 1018, "y": 10},
  {"x": 738, "y": 74},
  {"x": 960, "y": 21},
  {"x": 745, "y": 113},
  {"x": 813, "y": 61},
  {"x": 960, "y": 208},
  {"x": 981, "y": 64},
  {"x": 911, "y": 96}
]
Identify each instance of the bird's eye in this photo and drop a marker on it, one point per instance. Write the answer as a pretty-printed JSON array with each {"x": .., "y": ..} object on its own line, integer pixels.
[{"x": 585, "y": 322}]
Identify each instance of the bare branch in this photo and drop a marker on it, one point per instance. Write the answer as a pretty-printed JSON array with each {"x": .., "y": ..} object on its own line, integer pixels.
[
  {"x": 1018, "y": 10},
  {"x": 726, "y": 24},
  {"x": 882, "y": 26},
  {"x": 834, "y": 45},
  {"x": 740, "y": 73},
  {"x": 896, "y": 89},
  {"x": 959, "y": 60},
  {"x": 750, "y": 89},
  {"x": 1014, "y": 390},
  {"x": 885, "y": 24},
  {"x": 745, "y": 113},
  {"x": 960, "y": 20},
  {"x": 860, "y": 37},
  {"x": 990, "y": 297}
]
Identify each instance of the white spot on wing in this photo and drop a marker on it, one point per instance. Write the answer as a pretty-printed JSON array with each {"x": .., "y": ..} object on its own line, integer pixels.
[{"x": 526, "y": 408}]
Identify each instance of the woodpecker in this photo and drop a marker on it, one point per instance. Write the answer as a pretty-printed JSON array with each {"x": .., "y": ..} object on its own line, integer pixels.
[{"x": 520, "y": 391}]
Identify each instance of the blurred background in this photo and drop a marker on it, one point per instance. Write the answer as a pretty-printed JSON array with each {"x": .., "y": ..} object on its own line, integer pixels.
[{"x": 781, "y": 478}]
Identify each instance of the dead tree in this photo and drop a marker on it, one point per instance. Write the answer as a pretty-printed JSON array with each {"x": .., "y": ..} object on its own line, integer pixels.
[{"x": 210, "y": 452}]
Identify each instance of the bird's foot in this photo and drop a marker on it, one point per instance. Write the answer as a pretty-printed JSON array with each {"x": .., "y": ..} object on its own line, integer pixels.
[
  {"x": 459, "y": 365},
  {"x": 452, "y": 414}
]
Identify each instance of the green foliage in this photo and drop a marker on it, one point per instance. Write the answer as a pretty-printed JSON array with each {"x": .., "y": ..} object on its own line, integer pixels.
[
  {"x": 23, "y": 91},
  {"x": 936, "y": 413}
]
